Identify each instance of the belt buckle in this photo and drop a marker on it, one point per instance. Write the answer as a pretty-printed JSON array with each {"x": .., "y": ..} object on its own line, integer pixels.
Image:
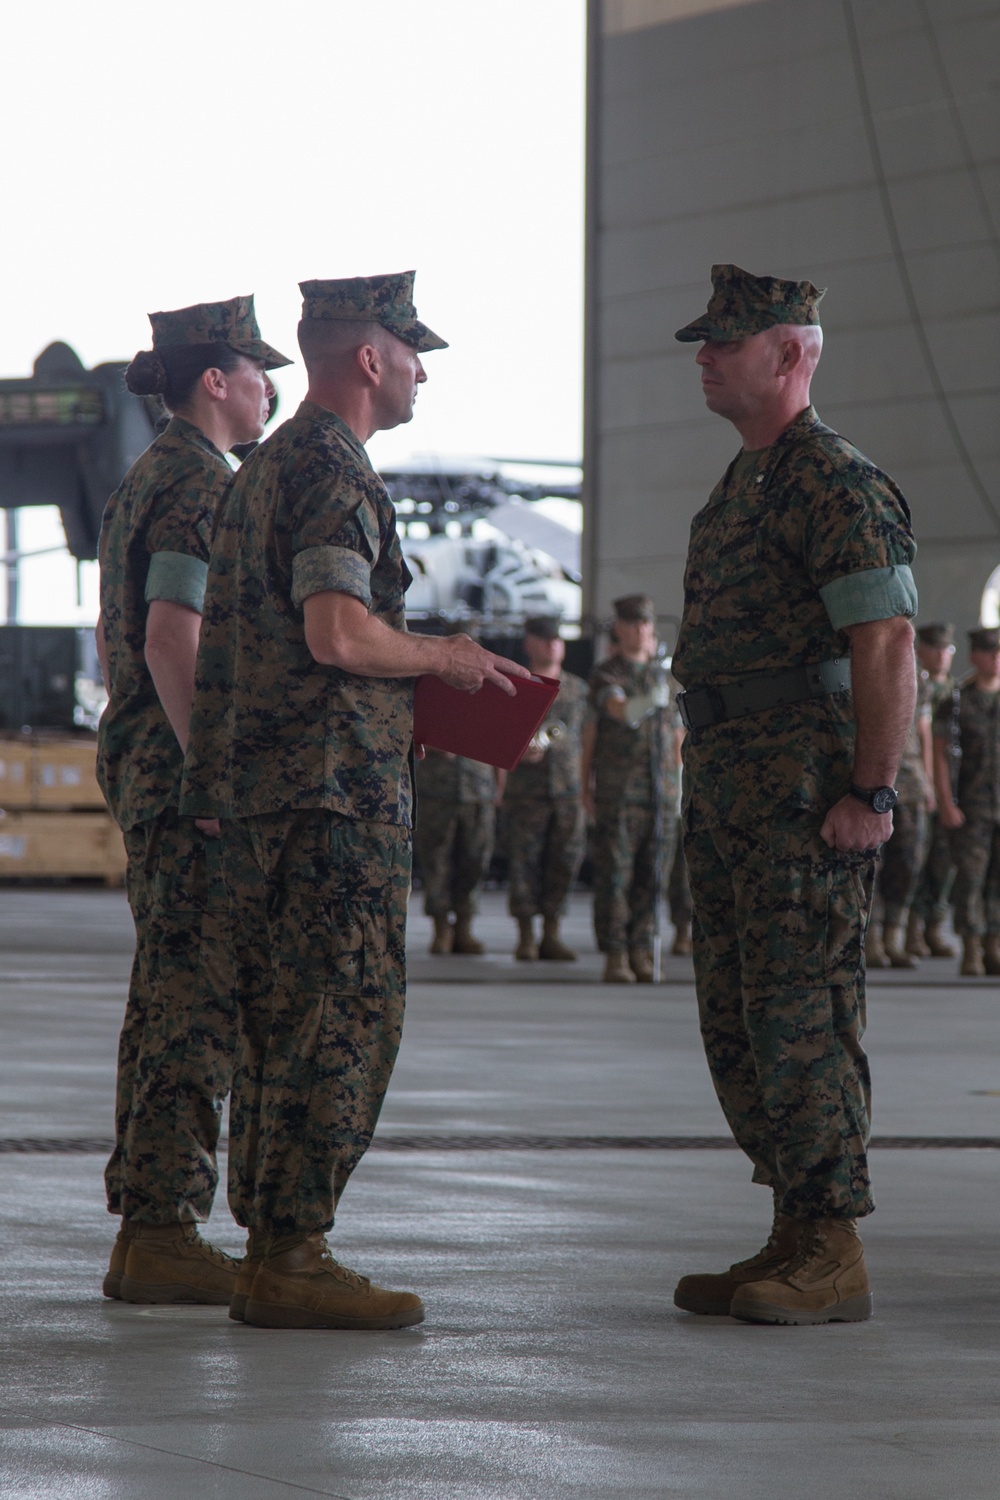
[{"x": 682, "y": 709}]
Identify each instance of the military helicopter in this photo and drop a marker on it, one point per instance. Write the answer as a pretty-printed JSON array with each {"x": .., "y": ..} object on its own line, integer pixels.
[{"x": 482, "y": 545}]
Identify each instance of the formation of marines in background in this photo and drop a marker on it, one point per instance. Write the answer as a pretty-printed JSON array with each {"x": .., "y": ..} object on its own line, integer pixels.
[{"x": 257, "y": 753}]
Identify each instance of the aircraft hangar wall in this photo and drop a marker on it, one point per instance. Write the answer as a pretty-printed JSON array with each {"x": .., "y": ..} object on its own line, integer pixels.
[{"x": 854, "y": 142}]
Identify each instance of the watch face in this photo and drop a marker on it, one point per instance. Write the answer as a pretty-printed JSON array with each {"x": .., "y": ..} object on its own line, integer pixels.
[{"x": 884, "y": 800}]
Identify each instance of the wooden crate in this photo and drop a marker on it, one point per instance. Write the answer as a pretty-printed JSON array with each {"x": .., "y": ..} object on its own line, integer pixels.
[
  {"x": 36, "y": 845},
  {"x": 65, "y": 772},
  {"x": 17, "y": 770}
]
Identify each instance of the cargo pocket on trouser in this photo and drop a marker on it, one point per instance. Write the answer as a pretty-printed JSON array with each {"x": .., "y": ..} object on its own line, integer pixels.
[
  {"x": 806, "y": 1018},
  {"x": 819, "y": 902}
]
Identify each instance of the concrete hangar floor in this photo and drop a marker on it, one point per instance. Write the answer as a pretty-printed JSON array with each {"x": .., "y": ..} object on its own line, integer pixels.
[{"x": 550, "y": 1160}]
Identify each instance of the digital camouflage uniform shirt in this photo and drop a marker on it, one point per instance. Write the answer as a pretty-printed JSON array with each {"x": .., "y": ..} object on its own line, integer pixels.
[
  {"x": 557, "y": 774},
  {"x": 155, "y": 543},
  {"x": 623, "y": 757},
  {"x": 454, "y": 779},
  {"x": 795, "y": 541},
  {"x": 272, "y": 728},
  {"x": 979, "y": 741}
]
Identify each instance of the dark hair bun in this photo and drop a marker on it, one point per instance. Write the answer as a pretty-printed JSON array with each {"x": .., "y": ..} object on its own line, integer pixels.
[{"x": 147, "y": 374}]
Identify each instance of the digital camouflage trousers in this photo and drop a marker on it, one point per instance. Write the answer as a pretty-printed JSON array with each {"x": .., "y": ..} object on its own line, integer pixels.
[
  {"x": 544, "y": 839},
  {"x": 175, "y": 1053},
  {"x": 779, "y": 968},
  {"x": 976, "y": 850},
  {"x": 902, "y": 861},
  {"x": 321, "y": 985},
  {"x": 933, "y": 894},
  {"x": 624, "y": 885},
  {"x": 453, "y": 843}
]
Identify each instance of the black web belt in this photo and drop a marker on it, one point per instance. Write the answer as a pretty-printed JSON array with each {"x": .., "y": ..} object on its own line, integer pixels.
[{"x": 703, "y": 707}]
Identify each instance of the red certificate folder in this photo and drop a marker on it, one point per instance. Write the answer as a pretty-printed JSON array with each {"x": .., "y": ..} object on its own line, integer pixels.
[{"x": 489, "y": 725}]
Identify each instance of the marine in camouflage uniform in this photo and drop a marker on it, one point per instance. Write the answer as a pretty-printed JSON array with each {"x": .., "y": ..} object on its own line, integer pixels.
[
  {"x": 634, "y": 768},
  {"x": 300, "y": 741},
  {"x": 903, "y": 855},
  {"x": 453, "y": 842},
  {"x": 543, "y": 818},
  {"x": 975, "y": 827},
  {"x": 176, "y": 1045},
  {"x": 802, "y": 539},
  {"x": 929, "y": 912}
]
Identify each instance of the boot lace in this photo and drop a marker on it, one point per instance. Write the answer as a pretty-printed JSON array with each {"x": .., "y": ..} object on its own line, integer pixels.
[
  {"x": 342, "y": 1272},
  {"x": 215, "y": 1255},
  {"x": 811, "y": 1245}
]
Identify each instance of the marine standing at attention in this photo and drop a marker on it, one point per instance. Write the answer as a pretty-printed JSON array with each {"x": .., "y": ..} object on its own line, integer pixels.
[
  {"x": 926, "y": 936},
  {"x": 796, "y": 655},
  {"x": 969, "y": 801},
  {"x": 208, "y": 364},
  {"x": 543, "y": 819},
  {"x": 453, "y": 842},
  {"x": 629, "y": 789},
  {"x": 301, "y": 739}
]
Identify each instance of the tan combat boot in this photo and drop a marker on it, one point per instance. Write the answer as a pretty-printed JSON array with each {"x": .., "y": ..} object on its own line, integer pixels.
[
  {"x": 527, "y": 949},
  {"x": 894, "y": 946},
  {"x": 641, "y": 964},
  {"x": 991, "y": 953},
  {"x": 875, "y": 955},
  {"x": 172, "y": 1263},
  {"x": 464, "y": 941},
  {"x": 915, "y": 940},
  {"x": 304, "y": 1287},
  {"x": 682, "y": 945},
  {"x": 826, "y": 1282},
  {"x": 444, "y": 936},
  {"x": 552, "y": 946},
  {"x": 972, "y": 955},
  {"x": 711, "y": 1294},
  {"x": 616, "y": 969},
  {"x": 112, "y": 1285},
  {"x": 938, "y": 943},
  {"x": 249, "y": 1266}
]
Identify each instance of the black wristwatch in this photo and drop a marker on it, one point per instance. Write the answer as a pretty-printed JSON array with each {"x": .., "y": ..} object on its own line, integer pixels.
[{"x": 880, "y": 799}]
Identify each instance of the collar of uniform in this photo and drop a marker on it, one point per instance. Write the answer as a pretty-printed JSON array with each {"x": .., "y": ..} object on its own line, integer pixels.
[
  {"x": 802, "y": 425},
  {"x": 326, "y": 418},
  {"x": 180, "y": 427}
]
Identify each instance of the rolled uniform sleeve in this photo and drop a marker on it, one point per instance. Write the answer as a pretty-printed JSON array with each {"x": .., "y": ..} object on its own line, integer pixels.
[
  {"x": 178, "y": 540},
  {"x": 859, "y": 546},
  {"x": 877, "y": 594},
  {"x": 177, "y": 578},
  {"x": 335, "y": 542}
]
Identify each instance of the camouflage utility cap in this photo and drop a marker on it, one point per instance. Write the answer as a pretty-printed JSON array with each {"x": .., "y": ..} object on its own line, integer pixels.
[
  {"x": 984, "y": 639},
  {"x": 233, "y": 323},
  {"x": 544, "y": 627},
  {"x": 371, "y": 299},
  {"x": 635, "y": 607},
  {"x": 936, "y": 635},
  {"x": 742, "y": 304}
]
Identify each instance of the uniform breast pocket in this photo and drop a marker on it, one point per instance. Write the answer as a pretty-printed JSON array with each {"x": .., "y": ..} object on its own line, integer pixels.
[{"x": 737, "y": 561}]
